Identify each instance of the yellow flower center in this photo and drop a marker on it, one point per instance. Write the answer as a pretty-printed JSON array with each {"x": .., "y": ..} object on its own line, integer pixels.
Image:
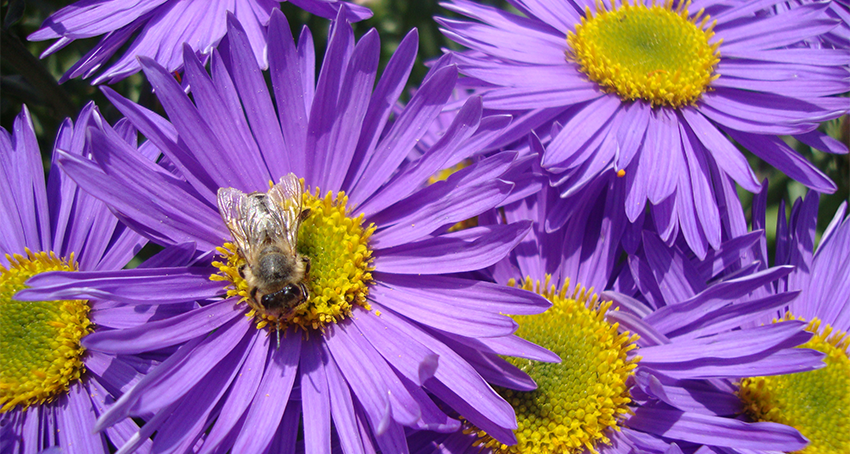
[
  {"x": 656, "y": 53},
  {"x": 579, "y": 401},
  {"x": 817, "y": 403},
  {"x": 340, "y": 266},
  {"x": 40, "y": 351}
]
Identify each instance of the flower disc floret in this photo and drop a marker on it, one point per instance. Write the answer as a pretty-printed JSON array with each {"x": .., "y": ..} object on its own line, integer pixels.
[
  {"x": 340, "y": 266},
  {"x": 579, "y": 401},
  {"x": 40, "y": 351},
  {"x": 655, "y": 53},
  {"x": 817, "y": 403}
]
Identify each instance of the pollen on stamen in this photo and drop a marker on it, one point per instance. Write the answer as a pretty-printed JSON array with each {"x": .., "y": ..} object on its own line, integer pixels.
[
  {"x": 581, "y": 401},
  {"x": 40, "y": 351},
  {"x": 340, "y": 266},
  {"x": 657, "y": 53}
]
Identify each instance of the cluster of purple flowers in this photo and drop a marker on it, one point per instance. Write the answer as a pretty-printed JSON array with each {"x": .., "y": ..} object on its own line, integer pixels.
[{"x": 541, "y": 248}]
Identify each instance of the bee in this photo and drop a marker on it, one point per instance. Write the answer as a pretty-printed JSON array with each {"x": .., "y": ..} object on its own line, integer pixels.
[{"x": 265, "y": 227}]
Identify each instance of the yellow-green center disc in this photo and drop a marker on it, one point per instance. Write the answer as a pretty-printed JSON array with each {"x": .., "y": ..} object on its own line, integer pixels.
[
  {"x": 578, "y": 402},
  {"x": 658, "y": 54},
  {"x": 817, "y": 403},
  {"x": 40, "y": 352},
  {"x": 340, "y": 265}
]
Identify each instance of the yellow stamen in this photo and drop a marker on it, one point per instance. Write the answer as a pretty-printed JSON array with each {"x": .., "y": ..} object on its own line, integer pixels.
[
  {"x": 817, "y": 403},
  {"x": 40, "y": 351},
  {"x": 658, "y": 54},
  {"x": 579, "y": 402}
]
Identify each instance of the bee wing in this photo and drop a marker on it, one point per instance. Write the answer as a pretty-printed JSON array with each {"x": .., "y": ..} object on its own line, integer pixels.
[
  {"x": 233, "y": 206},
  {"x": 285, "y": 198}
]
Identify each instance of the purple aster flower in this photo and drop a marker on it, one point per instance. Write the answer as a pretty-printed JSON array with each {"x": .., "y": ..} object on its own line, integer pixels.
[
  {"x": 51, "y": 388},
  {"x": 653, "y": 91},
  {"x": 392, "y": 316},
  {"x": 813, "y": 402},
  {"x": 615, "y": 391},
  {"x": 158, "y": 29}
]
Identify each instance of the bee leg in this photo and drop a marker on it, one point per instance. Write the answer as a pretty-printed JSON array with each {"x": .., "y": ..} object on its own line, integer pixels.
[
  {"x": 306, "y": 261},
  {"x": 278, "y": 337},
  {"x": 242, "y": 271},
  {"x": 304, "y": 290},
  {"x": 304, "y": 215},
  {"x": 254, "y": 293}
]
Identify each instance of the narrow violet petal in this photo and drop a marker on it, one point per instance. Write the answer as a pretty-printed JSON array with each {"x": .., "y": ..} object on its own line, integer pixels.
[
  {"x": 725, "y": 154},
  {"x": 342, "y": 409},
  {"x": 242, "y": 393},
  {"x": 466, "y": 250},
  {"x": 381, "y": 104},
  {"x": 195, "y": 132},
  {"x": 431, "y": 310},
  {"x": 725, "y": 345},
  {"x": 690, "y": 396},
  {"x": 777, "y": 153},
  {"x": 717, "y": 431},
  {"x": 378, "y": 386},
  {"x": 254, "y": 94},
  {"x": 716, "y": 295},
  {"x": 466, "y": 294},
  {"x": 227, "y": 123},
  {"x": 163, "y": 134},
  {"x": 787, "y": 361},
  {"x": 120, "y": 409},
  {"x": 458, "y": 384},
  {"x": 122, "y": 431},
  {"x": 75, "y": 423},
  {"x": 266, "y": 410},
  {"x": 422, "y": 109},
  {"x": 191, "y": 417},
  {"x": 193, "y": 222},
  {"x": 164, "y": 333},
  {"x": 412, "y": 360},
  {"x": 358, "y": 80},
  {"x": 325, "y": 103},
  {"x": 315, "y": 399},
  {"x": 462, "y": 127},
  {"x": 137, "y": 286},
  {"x": 117, "y": 375},
  {"x": 438, "y": 205},
  {"x": 234, "y": 336}
]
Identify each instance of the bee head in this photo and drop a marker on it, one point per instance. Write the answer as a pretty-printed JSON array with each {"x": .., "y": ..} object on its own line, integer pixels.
[{"x": 285, "y": 299}]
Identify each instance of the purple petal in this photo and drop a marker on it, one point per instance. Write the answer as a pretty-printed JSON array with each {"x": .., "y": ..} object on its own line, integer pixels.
[
  {"x": 315, "y": 398},
  {"x": 717, "y": 431},
  {"x": 466, "y": 250},
  {"x": 241, "y": 394},
  {"x": 75, "y": 423},
  {"x": 381, "y": 105},
  {"x": 266, "y": 410},
  {"x": 138, "y": 286},
  {"x": 165, "y": 333},
  {"x": 422, "y": 109}
]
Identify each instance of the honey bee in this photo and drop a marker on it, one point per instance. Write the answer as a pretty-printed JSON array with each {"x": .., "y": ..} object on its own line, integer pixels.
[{"x": 265, "y": 227}]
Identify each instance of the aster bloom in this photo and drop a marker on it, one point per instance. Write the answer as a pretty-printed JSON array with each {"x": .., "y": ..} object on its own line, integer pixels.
[
  {"x": 627, "y": 383},
  {"x": 652, "y": 89},
  {"x": 51, "y": 388},
  {"x": 158, "y": 29},
  {"x": 390, "y": 313},
  {"x": 813, "y": 402}
]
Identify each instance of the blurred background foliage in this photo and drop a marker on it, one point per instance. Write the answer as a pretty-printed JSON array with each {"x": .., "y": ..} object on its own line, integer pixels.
[{"x": 26, "y": 79}]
